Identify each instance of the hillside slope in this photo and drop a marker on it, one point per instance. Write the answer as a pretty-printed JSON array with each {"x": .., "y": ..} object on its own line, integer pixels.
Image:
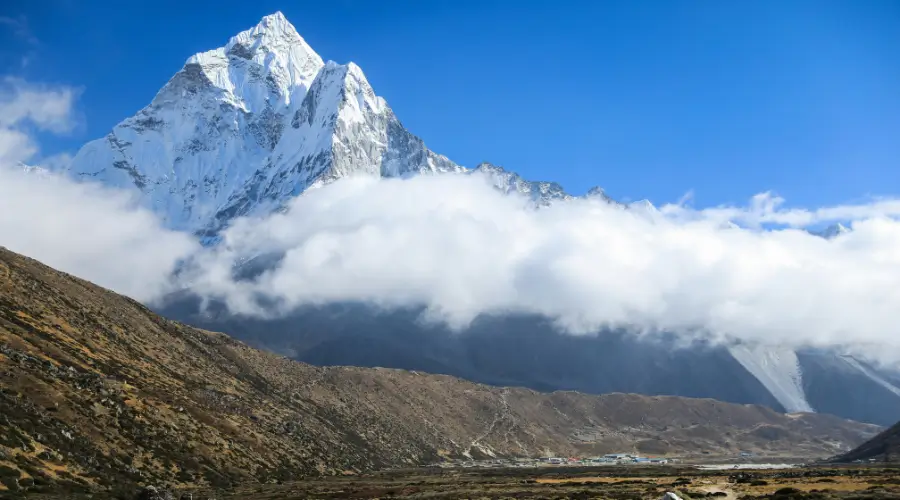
[
  {"x": 884, "y": 447},
  {"x": 530, "y": 351},
  {"x": 96, "y": 390}
]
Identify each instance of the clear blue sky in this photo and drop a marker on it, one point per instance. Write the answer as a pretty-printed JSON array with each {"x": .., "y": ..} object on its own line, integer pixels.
[{"x": 648, "y": 99}]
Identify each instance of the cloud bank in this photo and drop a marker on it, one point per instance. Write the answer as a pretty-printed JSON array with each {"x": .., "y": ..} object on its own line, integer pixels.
[
  {"x": 94, "y": 233},
  {"x": 455, "y": 245},
  {"x": 461, "y": 249}
]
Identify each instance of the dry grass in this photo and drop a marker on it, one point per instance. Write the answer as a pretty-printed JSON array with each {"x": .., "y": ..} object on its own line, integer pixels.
[{"x": 609, "y": 483}]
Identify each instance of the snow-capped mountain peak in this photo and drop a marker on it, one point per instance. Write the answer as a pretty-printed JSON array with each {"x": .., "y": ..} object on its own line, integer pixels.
[
  {"x": 272, "y": 31},
  {"x": 243, "y": 128},
  {"x": 271, "y": 52},
  {"x": 358, "y": 97},
  {"x": 596, "y": 192}
]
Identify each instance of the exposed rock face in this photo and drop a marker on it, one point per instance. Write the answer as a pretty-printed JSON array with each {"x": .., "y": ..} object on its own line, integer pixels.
[{"x": 97, "y": 391}]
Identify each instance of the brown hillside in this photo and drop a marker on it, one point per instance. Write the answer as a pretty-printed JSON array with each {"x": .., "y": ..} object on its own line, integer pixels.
[
  {"x": 96, "y": 390},
  {"x": 884, "y": 447}
]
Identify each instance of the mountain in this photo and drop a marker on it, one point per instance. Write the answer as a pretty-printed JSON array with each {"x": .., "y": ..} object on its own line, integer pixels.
[
  {"x": 529, "y": 351},
  {"x": 831, "y": 232},
  {"x": 541, "y": 193},
  {"x": 99, "y": 392},
  {"x": 245, "y": 128},
  {"x": 885, "y": 447},
  {"x": 824, "y": 381}
]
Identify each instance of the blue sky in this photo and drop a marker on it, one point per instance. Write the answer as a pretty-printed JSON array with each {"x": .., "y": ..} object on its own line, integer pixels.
[{"x": 647, "y": 99}]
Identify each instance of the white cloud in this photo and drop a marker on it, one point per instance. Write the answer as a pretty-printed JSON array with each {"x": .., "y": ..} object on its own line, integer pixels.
[
  {"x": 49, "y": 108},
  {"x": 24, "y": 105},
  {"x": 460, "y": 248},
  {"x": 15, "y": 146},
  {"x": 56, "y": 163},
  {"x": 768, "y": 208},
  {"x": 94, "y": 233},
  {"x": 455, "y": 245}
]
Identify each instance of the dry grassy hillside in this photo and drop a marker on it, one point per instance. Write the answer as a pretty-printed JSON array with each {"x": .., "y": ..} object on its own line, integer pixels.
[
  {"x": 97, "y": 391},
  {"x": 884, "y": 447}
]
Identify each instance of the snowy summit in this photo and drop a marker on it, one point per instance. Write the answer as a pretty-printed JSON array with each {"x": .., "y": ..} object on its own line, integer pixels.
[{"x": 243, "y": 128}]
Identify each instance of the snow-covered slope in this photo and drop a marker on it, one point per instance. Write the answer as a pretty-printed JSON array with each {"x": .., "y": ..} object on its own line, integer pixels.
[
  {"x": 778, "y": 370},
  {"x": 243, "y": 128},
  {"x": 819, "y": 380},
  {"x": 872, "y": 374}
]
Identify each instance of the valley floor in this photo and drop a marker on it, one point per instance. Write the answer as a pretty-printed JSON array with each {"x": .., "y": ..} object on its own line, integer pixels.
[{"x": 690, "y": 483}]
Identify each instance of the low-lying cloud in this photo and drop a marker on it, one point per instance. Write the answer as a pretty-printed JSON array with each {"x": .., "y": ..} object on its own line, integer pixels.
[
  {"x": 461, "y": 249},
  {"x": 94, "y": 233}
]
